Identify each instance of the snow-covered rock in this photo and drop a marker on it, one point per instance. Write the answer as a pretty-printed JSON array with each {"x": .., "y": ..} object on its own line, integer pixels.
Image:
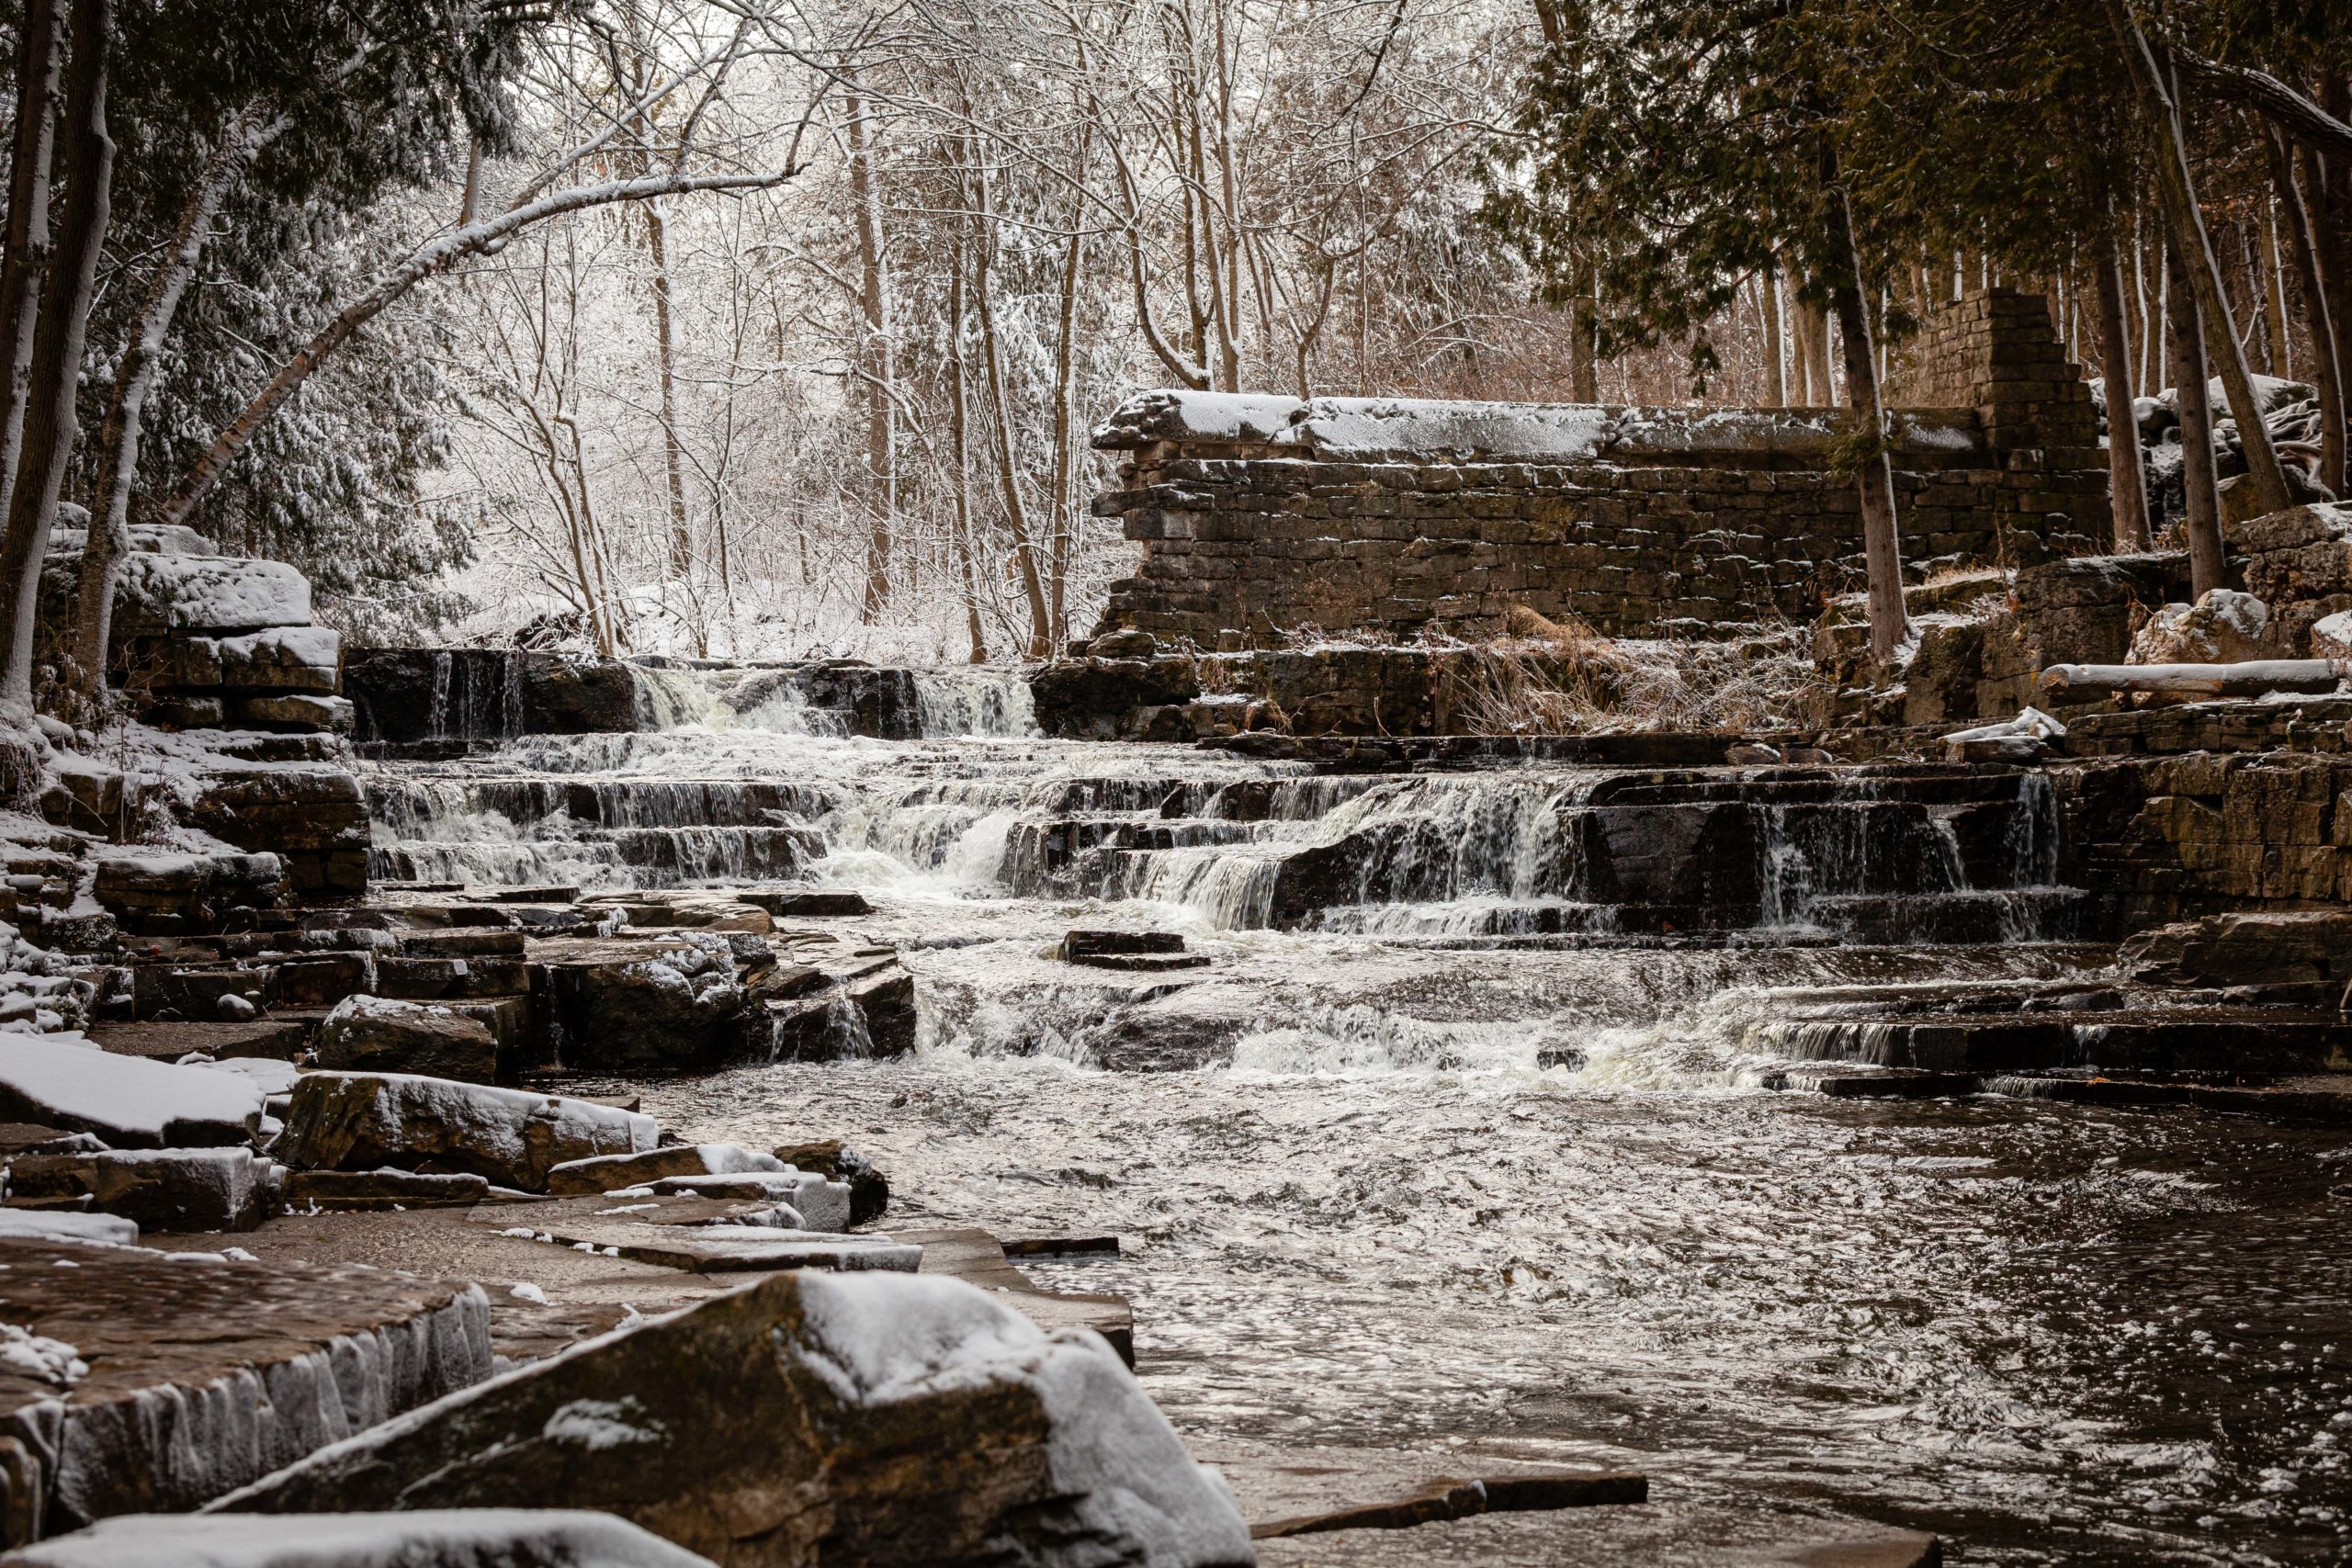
[
  {"x": 438, "y": 1537},
  {"x": 513, "y": 1137},
  {"x": 898, "y": 1420},
  {"x": 162, "y": 593},
  {"x": 2223, "y": 627},
  {"x": 2332, "y": 636},
  {"x": 62, "y": 1080},
  {"x": 822, "y": 1204},
  {"x": 51, "y": 1224},
  {"x": 364, "y": 1034},
  {"x": 608, "y": 1172},
  {"x": 162, "y": 1189},
  {"x": 2024, "y": 739}
]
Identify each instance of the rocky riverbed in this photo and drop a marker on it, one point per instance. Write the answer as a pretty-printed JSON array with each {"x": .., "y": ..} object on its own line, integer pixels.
[{"x": 1460, "y": 1151}]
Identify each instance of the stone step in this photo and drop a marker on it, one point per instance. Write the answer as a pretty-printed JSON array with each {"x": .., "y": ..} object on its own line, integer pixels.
[
  {"x": 247, "y": 1366},
  {"x": 2171, "y": 1040}
]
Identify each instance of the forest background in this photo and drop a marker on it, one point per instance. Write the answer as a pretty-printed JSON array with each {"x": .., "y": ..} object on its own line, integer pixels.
[{"x": 740, "y": 328}]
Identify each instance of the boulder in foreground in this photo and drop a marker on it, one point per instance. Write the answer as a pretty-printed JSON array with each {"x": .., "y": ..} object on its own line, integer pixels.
[
  {"x": 878, "y": 1419},
  {"x": 472, "y": 1538},
  {"x": 163, "y": 1190},
  {"x": 512, "y": 1137}
]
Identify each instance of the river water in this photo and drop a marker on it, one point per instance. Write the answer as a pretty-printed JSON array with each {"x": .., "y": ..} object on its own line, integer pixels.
[{"x": 1354, "y": 1206}]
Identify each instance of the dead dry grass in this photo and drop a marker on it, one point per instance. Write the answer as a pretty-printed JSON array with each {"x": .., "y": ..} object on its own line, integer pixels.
[{"x": 1572, "y": 680}]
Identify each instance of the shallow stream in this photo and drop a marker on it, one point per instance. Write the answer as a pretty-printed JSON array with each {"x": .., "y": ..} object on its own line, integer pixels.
[{"x": 1360, "y": 1209}]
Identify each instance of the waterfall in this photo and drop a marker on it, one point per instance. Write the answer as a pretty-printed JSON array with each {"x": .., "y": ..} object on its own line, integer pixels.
[
  {"x": 974, "y": 703},
  {"x": 669, "y": 699}
]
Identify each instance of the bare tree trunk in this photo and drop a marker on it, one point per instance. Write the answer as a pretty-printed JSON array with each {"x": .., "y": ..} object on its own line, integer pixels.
[
  {"x": 2127, "y": 497},
  {"x": 1882, "y": 538},
  {"x": 86, "y": 160},
  {"x": 1065, "y": 453},
  {"x": 39, "y": 64},
  {"x": 875, "y": 357},
  {"x": 1776, "y": 381},
  {"x": 2327, "y": 370},
  {"x": 2274, "y": 294},
  {"x": 1016, "y": 511},
  {"x": 1584, "y": 368},
  {"x": 1825, "y": 384},
  {"x": 959, "y": 424},
  {"x": 2160, "y": 106},
  {"x": 2334, "y": 199},
  {"x": 682, "y": 540},
  {"x": 243, "y": 137},
  {"x": 2202, "y": 519}
]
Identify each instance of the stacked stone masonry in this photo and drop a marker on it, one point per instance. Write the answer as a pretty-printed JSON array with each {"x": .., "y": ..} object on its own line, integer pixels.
[{"x": 1263, "y": 517}]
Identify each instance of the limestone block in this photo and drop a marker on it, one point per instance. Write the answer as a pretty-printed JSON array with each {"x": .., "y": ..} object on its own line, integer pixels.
[
  {"x": 282, "y": 807},
  {"x": 187, "y": 885},
  {"x": 379, "y": 1035},
  {"x": 209, "y": 594},
  {"x": 607, "y": 1172},
  {"x": 876, "y": 1418},
  {"x": 159, "y": 1189},
  {"x": 361, "y": 1120},
  {"x": 292, "y": 710},
  {"x": 282, "y": 659},
  {"x": 306, "y": 1190},
  {"x": 202, "y": 1375}
]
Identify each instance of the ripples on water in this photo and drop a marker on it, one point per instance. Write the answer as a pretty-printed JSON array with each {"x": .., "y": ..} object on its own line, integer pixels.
[{"x": 2053, "y": 1334}]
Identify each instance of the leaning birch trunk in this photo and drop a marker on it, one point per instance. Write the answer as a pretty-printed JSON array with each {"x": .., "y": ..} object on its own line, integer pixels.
[
  {"x": 87, "y": 155},
  {"x": 2202, "y": 275},
  {"x": 2201, "y": 519},
  {"x": 2327, "y": 370},
  {"x": 1065, "y": 453},
  {"x": 2128, "y": 498},
  {"x": 1776, "y": 377},
  {"x": 39, "y": 65},
  {"x": 1882, "y": 535},
  {"x": 2259, "y": 677},
  {"x": 429, "y": 261},
  {"x": 119, "y": 436}
]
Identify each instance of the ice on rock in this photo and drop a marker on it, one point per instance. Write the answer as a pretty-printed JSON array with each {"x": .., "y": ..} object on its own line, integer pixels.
[
  {"x": 34, "y": 1356},
  {"x": 438, "y": 1537}
]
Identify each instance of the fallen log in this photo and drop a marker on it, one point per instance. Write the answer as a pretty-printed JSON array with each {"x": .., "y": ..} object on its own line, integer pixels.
[{"x": 2255, "y": 678}]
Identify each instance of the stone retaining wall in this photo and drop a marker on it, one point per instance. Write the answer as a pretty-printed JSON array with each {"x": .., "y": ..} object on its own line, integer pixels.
[{"x": 1262, "y": 516}]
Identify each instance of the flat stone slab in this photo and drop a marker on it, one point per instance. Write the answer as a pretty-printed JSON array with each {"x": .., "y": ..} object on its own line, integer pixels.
[
  {"x": 274, "y": 1037},
  {"x": 1651, "y": 1535},
  {"x": 711, "y": 1250},
  {"x": 1304, "y": 1490},
  {"x": 979, "y": 1257},
  {"x": 427, "y": 1537},
  {"x": 205, "y": 1373}
]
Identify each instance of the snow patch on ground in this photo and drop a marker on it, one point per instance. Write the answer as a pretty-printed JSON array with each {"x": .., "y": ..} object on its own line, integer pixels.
[
  {"x": 511, "y": 1537},
  {"x": 36, "y": 1356}
]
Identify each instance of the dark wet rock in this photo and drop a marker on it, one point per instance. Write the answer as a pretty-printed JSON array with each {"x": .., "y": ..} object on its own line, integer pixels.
[
  {"x": 274, "y": 1037},
  {"x": 810, "y": 1418},
  {"x": 863, "y": 1009},
  {"x": 1081, "y": 945},
  {"x": 382, "y": 1190},
  {"x": 291, "y": 710},
  {"x": 161, "y": 1189},
  {"x": 1308, "y": 1489},
  {"x": 322, "y": 980},
  {"x": 606, "y": 1173},
  {"x": 807, "y": 904},
  {"x": 154, "y": 892},
  {"x": 619, "y": 1005},
  {"x": 472, "y": 1538},
  {"x": 203, "y": 1376},
  {"x": 569, "y": 694},
  {"x": 1100, "y": 699},
  {"x": 1939, "y": 687},
  {"x": 869, "y": 1189},
  {"x": 2311, "y": 947},
  {"x": 499, "y": 940},
  {"x": 361, "y": 1120},
  {"x": 440, "y": 979},
  {"x": 381, "y": 1034},
  {"x": 872, "y": 700}
]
